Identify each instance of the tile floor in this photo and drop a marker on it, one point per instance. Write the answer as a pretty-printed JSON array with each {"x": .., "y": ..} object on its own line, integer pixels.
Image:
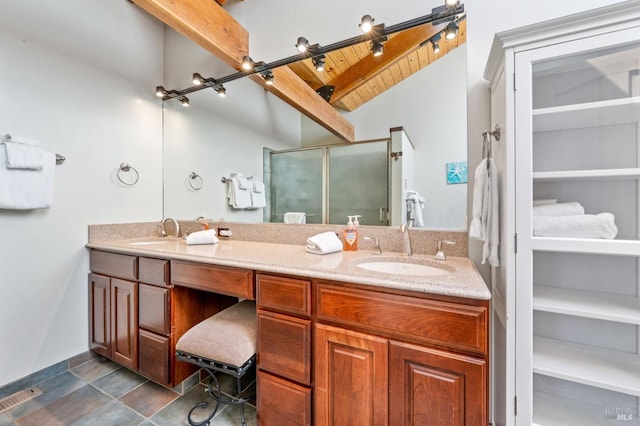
[{"x": 100, "y": 392}]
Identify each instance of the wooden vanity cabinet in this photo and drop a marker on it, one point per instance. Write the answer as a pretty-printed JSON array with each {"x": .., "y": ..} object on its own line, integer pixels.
[
  {"x": 114, "y": 307},
  {"x": 284, "y": 350},
  {"x": 399, "y": 358}
]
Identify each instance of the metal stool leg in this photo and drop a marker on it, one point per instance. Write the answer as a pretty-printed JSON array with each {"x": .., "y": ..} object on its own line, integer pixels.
[
  {"x": 204, "y": 404},
  {"x": 238, "y": 379}
]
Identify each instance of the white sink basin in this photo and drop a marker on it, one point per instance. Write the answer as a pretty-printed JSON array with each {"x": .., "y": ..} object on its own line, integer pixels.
[{"x": 404, "y": 268}]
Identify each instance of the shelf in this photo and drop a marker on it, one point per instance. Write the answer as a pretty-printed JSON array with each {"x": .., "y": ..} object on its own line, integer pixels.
[
  {"x": 587, "y": 245},
  {"x": 603, "y": 368},
  {"x": 586, "y": 175},
  {"x": 591, "y": 114},
  {"x": 552, "y": 410},
  {"x": 602, "y": 306}
]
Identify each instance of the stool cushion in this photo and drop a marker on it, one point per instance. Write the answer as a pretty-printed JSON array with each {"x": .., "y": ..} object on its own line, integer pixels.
[{"x": 228, "y": 336}]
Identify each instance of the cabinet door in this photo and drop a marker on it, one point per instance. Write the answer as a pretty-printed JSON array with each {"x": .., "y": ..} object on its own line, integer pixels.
[
  {"x": 124, "y": 323},
  {"x": 99, "y": 315},
  {"x": 351, "y": 378},
  {"x": 154, "y": 313},
  {"x": 155, "y": 357},
  {"x": 438, "y": 388}
]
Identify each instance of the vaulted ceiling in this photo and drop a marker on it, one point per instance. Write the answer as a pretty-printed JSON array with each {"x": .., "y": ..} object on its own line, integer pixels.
[{"x": 356, "y": 75}]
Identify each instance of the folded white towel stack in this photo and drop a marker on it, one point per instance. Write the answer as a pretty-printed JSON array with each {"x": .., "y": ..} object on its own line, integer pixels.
[
  {"x": 258, "y": 198},
  {"x": 558, "y": 209},
  {"x": 324, "y": 243},
  {"x": 295, "y": 217},
  {"x": 26, "y": 188},
  {"x": 22, "y": 156},
  {"x": 577, "y": 226},
  {"x": 239, "y": 198},
  {"x": 542, "y": 202},
  {"x": 202, "y": 237}
]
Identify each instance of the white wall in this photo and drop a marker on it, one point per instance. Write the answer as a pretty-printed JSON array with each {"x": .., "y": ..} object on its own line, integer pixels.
[{"x": 79, "y": 78}]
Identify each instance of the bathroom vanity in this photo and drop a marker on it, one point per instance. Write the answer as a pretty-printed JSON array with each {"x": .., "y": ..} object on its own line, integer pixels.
[{"x": 337, "y": 344}]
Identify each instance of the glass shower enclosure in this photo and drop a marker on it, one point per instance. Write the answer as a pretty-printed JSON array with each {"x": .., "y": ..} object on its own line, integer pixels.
[{"x": 331, "y": 182}]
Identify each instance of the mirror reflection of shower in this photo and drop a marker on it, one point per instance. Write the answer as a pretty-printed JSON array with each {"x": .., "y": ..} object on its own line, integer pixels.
[{"x": 326, "y": 184}]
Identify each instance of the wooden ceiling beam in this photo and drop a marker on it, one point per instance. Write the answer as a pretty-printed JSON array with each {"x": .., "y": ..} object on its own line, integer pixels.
[
  {"x": 212, "y": 28},
  {"x": 370, "y": 67}
]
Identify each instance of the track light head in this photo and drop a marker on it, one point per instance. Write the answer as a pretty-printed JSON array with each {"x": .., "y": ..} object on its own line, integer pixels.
[
  {"x": 161, "y": 91},
  {"x": 451, "y": 4},
  {"x": 436, "y": 46},
  {"x": 197, "y": 79},
  {"x": 318, "y": 63},
  {"x": 366, "y": 23},
  {"x": 184, "y": 101},
  {"x": 452, "y": 30},
  {"x": 268, "y": 78},
  {"x": 247, "y": 63},
  {"x": 222, "y": 92},
  {"x": 377, "y": 48},
  {"x": 302, "y": 44}
]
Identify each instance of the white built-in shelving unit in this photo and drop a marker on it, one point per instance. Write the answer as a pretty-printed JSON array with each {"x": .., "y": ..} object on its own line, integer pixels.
[{"x": 567, "y": 93}]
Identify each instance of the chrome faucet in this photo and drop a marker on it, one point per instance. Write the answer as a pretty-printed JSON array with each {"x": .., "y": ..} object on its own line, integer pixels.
[
  {"x": 176, "y": 225},
  {"x": 440, "y": 254},
  {"x": 406, "y": 239},
  {"x": 377, "y": 243}
]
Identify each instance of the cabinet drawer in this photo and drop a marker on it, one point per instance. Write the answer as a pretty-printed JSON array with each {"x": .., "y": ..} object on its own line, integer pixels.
[
  {"x": 281, "y": 402},
  {"x": 454, "y": 325},
  {"x": 217, "y": 279},
  {"x": 115, "y": 265},
  {"x": 154, "y": 271},
  {"x": 154, "y": 309},
  {"x": 154, "y": 357},
  {"x": 284, "y": 294},
  {"x": 284, "y": 346}
]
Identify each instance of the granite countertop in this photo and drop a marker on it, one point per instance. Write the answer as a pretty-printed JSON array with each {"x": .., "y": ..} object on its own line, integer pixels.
[{"x": 463, "y": 281}]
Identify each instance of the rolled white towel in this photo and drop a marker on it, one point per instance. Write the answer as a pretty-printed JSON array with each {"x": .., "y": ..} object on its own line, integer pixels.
[
  {"x": 202, "y": 237},
  {"x": 542, "y": 202},
  {"x": 579, "y": 226},
  {"x": 324, "y": 243},
  {"x": 558, "y": 209}
]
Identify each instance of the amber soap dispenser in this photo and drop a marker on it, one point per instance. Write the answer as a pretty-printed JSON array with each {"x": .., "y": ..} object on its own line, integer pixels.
[{"x": 350, "y": 234}]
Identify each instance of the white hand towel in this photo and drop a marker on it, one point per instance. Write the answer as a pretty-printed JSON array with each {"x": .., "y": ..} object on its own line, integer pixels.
[
  {"x": 258, "y": 199},
  {"x": 202, "y": 237},
  {"x": 492, "y": 229},
  {"x": 542, "y": 202},
  {"x": 27, "y": 189},
  {"x": 324, "y": 243},
  {"x": 238, "y": 198},
  {"x": 479, "y": 188},
  {"x": 579, "y": 226},
  {"x": 22, "y": 156},
  {"x": 558, "y": 209},
  {"x": 243, "y": 182},
  {"x": 295, "y": 217},
  {"x": 415, "y": 205}
]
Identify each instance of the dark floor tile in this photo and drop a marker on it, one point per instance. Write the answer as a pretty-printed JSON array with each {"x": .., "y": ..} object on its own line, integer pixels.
[
  {"x": 52, "y": 390},
  {"x": 176, "y": 413},
  {"x": 94, "y": 369},
  {"x": 68, "y": 409},
  {"x": 82, "y": 358},
  {"x": 119, "y": 382},
  {"x": 148, "y": 398},
  {"x": 231, "y": 416},
  {"x": 111, "y": 414},
  {"x": 148, "y": 423},
  {"x": 32, "y": 379}
]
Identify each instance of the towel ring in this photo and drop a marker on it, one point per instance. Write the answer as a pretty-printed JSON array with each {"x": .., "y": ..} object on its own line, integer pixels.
[
  {"x": 127, "y": 168},
  {"x": 195, "y": 181}
]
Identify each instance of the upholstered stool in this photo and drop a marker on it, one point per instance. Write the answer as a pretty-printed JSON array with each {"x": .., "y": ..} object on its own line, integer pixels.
[{"x": 225, "y": 343}]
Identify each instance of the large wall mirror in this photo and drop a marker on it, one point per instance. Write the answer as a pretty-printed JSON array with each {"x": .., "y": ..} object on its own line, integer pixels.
[{"x": 214, "y": 137}]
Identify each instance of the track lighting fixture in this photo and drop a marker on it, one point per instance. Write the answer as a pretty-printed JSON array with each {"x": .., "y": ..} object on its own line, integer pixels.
[
  {"x": 268, "y": 77},
  {"x": 302, "y": 44},
  {"x": 377, "y": 48},
  {"x": 197, "y": 79},
  {"x": 160, "y": 91},
  {"x": 452, "y": 30},
  {"x": 366, "y": 23},
  {"x": 318, "y": 63},
  {"x": 247, "y": 63},
  {"x": 378, "y": 35}
]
